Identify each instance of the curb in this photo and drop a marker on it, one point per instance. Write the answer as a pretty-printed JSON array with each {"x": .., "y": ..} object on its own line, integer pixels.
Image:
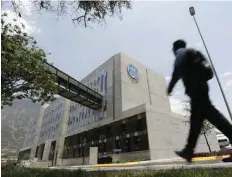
[
  {"x": 116, "y": 164},
  {"x": 196, "y": 159}
]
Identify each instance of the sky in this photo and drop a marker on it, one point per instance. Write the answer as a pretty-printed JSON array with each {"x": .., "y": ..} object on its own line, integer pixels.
[{"x": 145, "y": 33}]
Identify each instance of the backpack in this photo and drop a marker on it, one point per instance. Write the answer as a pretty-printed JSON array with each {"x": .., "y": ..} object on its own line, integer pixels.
[{"x": 197, "y": 67}]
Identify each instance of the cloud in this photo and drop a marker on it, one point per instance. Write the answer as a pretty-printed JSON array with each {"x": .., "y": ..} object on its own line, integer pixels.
[
  {"x": 30, "y": 27},
  {"x": 39, "y": 30},
  {"x": 167, "y": 78},
  {"x": 199, "y": 44},
  {"x": 226, "y": 79},
  {"x": 228, "y": 84},
  {"x": 177, "y": 106},
  {"x": 226, "y": 74}
]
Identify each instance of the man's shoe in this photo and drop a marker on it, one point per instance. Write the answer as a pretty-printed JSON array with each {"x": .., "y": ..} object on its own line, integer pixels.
[
  {"x": 184, "y": 155},
  {"x": 228, "y": 159}
]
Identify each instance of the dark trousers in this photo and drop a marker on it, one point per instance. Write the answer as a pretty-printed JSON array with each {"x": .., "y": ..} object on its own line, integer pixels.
[{"x": 202, "y": 109}]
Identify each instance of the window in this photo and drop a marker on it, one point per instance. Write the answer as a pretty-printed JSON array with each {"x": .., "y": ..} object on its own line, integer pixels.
[
  {"x": 102, "y": 82},
  {"x": 36, "y": 152},
  {"x": 136, "y": 143},
  {"x": 106, "y": 83},
  {"x": 127, "y": 147},
  {"x": 117, "y": 144},
  {"x": 105, "y": 106}
]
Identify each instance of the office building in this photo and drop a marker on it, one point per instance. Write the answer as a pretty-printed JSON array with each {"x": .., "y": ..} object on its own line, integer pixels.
[{"x": 136, "y": 122}]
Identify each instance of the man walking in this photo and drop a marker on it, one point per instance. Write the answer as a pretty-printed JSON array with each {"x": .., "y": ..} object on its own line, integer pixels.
[{"x": 192, "y": 67}]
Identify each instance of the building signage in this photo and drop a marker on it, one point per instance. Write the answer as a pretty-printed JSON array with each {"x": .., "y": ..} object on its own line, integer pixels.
[{"x": 133, "y": 71}]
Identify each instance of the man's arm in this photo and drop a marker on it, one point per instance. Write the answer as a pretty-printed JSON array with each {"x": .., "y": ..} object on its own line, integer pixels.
[
  {"x": 177, "y": 71},
  {"x": 174, "y": 80}
]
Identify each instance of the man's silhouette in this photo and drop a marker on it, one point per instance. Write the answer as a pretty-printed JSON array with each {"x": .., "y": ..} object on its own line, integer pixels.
[{"x": 191, "y": 66}]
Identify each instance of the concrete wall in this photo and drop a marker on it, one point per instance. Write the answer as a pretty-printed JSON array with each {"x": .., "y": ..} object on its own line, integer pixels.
[
  {"x": 40, "y": 164},
  {"x": 148, "y": 89},
  {"x": 168, "y": 133},
  {"x": 75, "y": 161},
  {"x": 63, "y": 129},
  {"x": 38, "y": 128},
  {"x": 131, "y": 156},
  {"x": 116, "y": 158}
]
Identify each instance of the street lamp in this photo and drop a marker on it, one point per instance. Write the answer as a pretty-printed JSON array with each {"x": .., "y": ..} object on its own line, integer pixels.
[{"x": 192, "y": 13}]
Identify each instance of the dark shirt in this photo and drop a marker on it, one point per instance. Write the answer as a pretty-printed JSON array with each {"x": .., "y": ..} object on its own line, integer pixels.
[
  {"x": 178, "y": 68},
  {"x": 192, "y": 81}
]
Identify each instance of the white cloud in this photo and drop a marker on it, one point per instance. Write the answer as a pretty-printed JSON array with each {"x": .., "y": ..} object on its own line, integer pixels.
[
  {"x": 29, "y": 25},
  {"x": 167, "y": 78},
  {"x": 226, "y": 74},
  {"x": 176, "y": 93},
  {"x": 199, "y": 44},
  {"x": 177, "y": 106},
  {"x": 39, "y": 30},
  {"x": 228, "y": 84},
  {"x": 226, "y": 79}
]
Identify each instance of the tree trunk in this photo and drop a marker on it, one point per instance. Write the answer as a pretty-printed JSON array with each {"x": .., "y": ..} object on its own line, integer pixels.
[{"x": 207, "y": 142}]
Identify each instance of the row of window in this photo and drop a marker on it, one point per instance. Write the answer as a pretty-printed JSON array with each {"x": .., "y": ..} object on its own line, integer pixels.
[
  {"x": 78, "y": 119},
  {"x": 88, "y": 114},
  {"x": 122, "y": 145},
  {"x": 100, "y": 82},
  {"x": 51, "y": 120},
  {"x": 53, "y": 108},
  {"x": 49, "y": 132},
  {"x": 125, "y": 136}
]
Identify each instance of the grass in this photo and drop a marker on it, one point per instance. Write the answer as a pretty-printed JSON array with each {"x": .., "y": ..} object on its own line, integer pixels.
[{"x": 12, "y": 171}]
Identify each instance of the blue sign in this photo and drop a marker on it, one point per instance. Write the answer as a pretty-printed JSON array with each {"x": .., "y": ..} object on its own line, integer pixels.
[{"x": 133, "y": 72}]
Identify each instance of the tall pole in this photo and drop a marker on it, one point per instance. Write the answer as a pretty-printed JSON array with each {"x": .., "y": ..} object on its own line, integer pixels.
[{"x": 192, "y": 12}]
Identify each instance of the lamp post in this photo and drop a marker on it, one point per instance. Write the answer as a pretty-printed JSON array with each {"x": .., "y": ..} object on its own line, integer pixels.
[{"x": 192, "y": 13}]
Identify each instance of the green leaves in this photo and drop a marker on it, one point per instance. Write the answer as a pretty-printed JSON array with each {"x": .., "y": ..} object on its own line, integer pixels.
[
  {"x": 23, "y": 71},
  {"x": 82, "y": 12}
]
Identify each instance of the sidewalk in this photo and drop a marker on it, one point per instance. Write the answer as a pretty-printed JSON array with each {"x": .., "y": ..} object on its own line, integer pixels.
[{"x": 150, "y": 162}]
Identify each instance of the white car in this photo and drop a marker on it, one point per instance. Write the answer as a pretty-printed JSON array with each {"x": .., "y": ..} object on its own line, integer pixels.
[
  {"x": 223, "y": 140},
  {"x": 228, "y": 147}
]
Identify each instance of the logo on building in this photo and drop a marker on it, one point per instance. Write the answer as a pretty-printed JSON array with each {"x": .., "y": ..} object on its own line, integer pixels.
[{"x": 133, "y": 71}]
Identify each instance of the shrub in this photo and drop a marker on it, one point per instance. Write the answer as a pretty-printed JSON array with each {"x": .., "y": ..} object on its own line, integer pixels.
[
  {"x": 214, "y": 153},
  {"x": 10, "y": 171}
]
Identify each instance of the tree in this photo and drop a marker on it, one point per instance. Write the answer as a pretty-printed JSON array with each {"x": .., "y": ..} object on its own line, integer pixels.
[
  {"x": 14, "y": 130},
  {"x": 206, "y": 128},
  {"x": 82, "y": 12},
  {"x": 23, "y": 71}
]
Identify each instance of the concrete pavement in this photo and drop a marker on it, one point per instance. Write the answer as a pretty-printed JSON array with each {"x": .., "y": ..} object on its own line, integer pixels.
[
  {"x": 164, "y": 164},
  {"x": 153, "y": 167}
]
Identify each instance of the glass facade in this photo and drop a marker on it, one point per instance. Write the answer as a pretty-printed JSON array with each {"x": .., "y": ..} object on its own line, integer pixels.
[
  {"x": 51, "y": 120},
  {"x": 79, "y": 115},
  {"x": 124, "y": 136}
]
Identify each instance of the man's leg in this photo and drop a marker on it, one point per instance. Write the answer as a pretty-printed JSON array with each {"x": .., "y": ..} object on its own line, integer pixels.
[
  {"x": 196, "y": 122},
  {"x": 221, "y": 123}
]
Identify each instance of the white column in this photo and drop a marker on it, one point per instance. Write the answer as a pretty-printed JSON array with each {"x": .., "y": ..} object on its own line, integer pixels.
[{"x": 62, "y": 133}]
